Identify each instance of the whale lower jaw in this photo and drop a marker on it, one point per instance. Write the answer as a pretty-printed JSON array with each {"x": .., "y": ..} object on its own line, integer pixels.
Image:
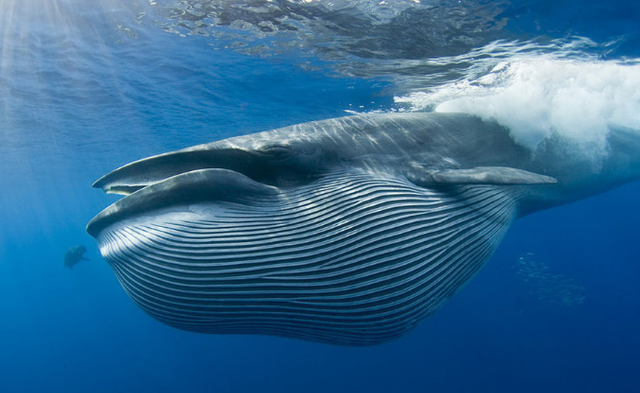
[{"x": 352, "y": 259}]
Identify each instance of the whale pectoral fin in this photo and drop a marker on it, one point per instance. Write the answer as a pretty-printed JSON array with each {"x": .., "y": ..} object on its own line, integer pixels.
[
  {"x": 493, "y": 175},
  {"x": 187, "y": 188}
]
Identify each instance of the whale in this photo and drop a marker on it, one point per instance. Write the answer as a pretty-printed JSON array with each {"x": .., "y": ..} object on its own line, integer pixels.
[{"x": 347, "y": 231}]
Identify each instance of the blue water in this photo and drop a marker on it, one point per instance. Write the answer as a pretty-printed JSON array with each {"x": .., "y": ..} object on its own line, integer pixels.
[{"x": 85, "y": 88}]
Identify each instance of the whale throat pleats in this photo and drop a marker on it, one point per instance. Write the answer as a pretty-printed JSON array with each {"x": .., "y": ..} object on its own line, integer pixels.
[{"x": 353, "y": 258}]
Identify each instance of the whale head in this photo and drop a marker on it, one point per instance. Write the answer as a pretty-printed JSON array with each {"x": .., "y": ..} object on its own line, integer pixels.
[{"x": 347, "y": 231}]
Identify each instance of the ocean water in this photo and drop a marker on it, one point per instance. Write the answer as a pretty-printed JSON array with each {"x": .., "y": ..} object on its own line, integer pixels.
[{"x": 88, "y": 86}]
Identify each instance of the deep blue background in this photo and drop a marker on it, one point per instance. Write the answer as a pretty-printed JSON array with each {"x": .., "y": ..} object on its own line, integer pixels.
[{"x": 78, "y": 102}]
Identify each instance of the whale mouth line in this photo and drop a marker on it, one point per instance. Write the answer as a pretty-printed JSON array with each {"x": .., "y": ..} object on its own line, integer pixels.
[
  {"x": 138, "y": 175},
  {"x": 194, "y": 186},
  {"x": 273, "y": 164},
  {"x": 124, "y": 190},
  {"x": 153, "y": 184}
]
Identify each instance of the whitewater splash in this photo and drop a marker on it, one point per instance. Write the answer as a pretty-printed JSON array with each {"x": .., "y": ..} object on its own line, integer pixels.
[{"x": 539, "y": 97}]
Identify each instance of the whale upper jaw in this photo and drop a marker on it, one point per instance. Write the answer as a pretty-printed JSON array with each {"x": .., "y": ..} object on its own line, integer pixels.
[{"x": 268, "y": 166}]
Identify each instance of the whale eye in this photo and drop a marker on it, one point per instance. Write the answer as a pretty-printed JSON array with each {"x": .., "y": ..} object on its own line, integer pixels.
[{"x": 276, "y": 152}]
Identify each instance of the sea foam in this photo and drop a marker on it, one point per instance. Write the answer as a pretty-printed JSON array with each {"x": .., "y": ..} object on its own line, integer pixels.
[{"x": 579, "y": 100}]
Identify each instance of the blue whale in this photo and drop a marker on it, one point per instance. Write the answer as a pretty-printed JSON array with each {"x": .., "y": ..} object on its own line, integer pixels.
[{"x": 347, "y": 231}]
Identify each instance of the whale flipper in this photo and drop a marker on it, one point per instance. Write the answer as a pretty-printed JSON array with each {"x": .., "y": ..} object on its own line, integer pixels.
[{"x": 496, "y": 175}]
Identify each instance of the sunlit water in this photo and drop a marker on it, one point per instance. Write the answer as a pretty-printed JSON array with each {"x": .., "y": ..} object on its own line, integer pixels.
[{"x": 88, "y": 86}]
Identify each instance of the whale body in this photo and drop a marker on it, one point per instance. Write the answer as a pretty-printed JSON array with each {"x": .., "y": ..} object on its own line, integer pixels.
[{"x": 346, "y": 231}]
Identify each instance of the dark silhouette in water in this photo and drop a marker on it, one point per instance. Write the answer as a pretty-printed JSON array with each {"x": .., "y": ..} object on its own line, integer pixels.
[{"x": 74, "y": 255}]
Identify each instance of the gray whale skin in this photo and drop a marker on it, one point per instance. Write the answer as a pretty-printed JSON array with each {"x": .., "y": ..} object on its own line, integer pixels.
[{"x": 346, "y": 231}]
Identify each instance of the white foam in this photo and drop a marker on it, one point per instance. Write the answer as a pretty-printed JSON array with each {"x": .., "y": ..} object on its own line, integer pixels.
[{"x": 535, "y": 97}]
